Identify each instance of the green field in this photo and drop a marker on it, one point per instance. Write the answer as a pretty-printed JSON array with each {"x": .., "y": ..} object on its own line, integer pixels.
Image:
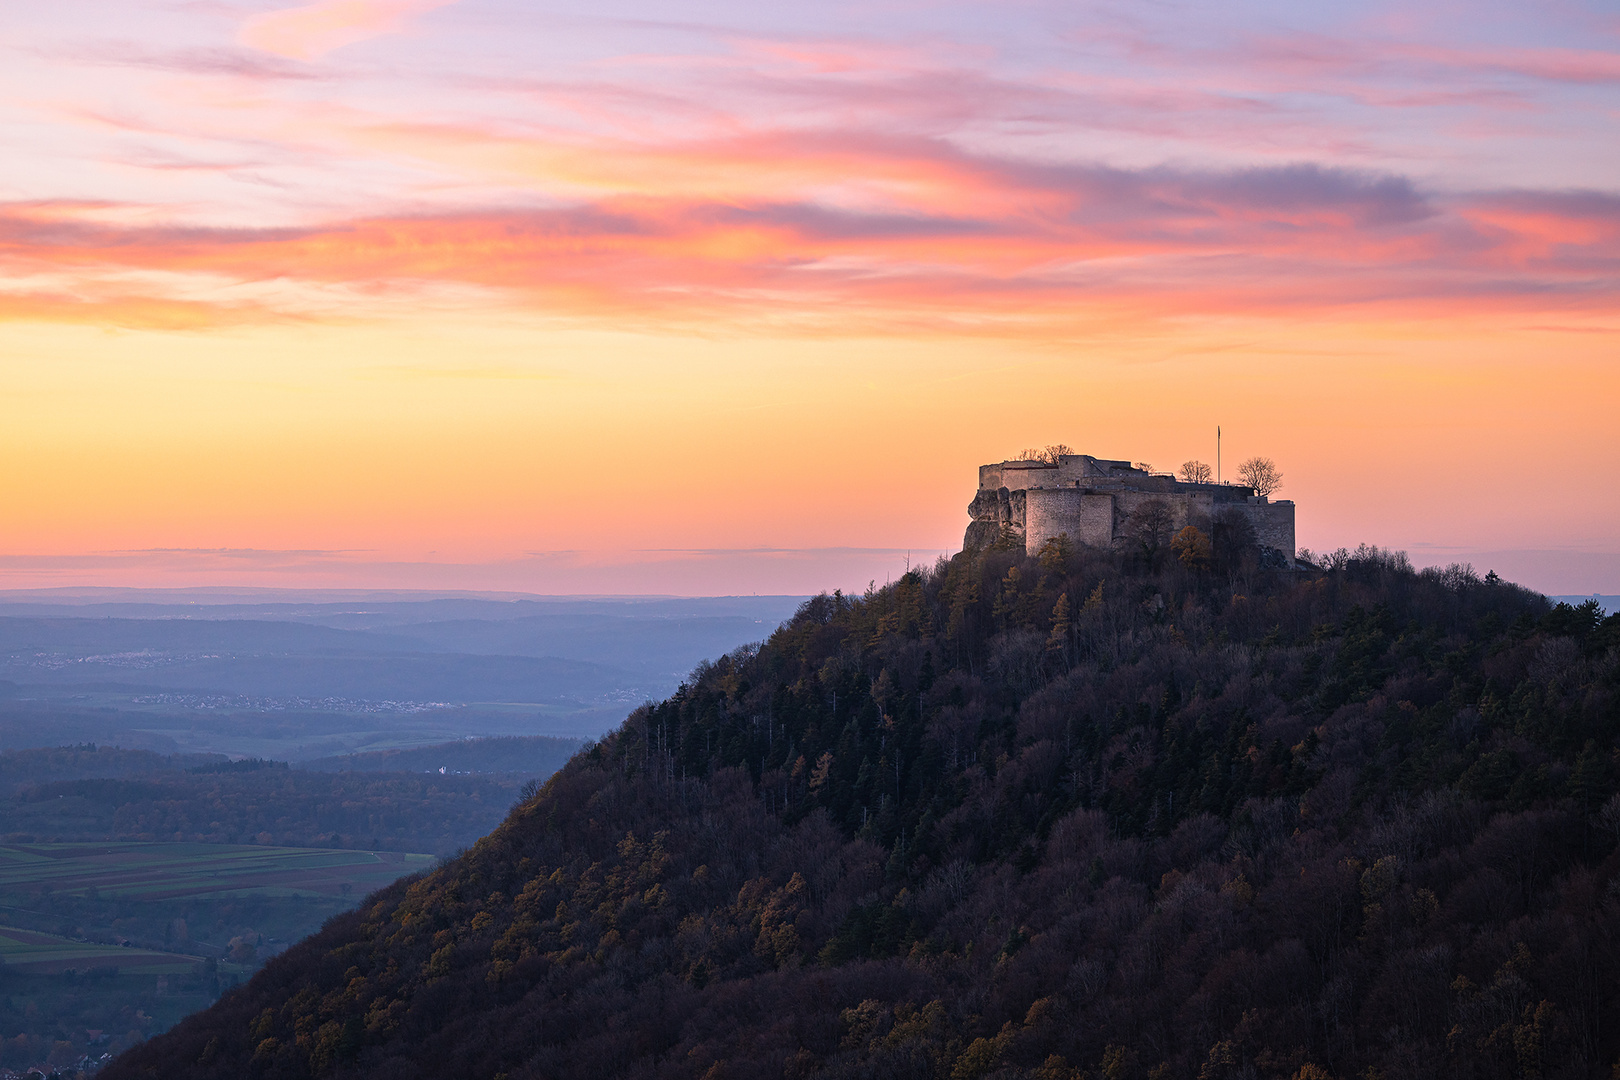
[
  {"x": 150, "y": 872},
  {"x": 34, "y": 953},
  {"x": 127, "y": 938}
]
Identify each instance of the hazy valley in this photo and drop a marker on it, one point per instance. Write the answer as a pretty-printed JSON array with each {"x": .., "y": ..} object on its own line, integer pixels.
[
  {"x": 189, "y": 784},
  {"x": 1140, "y": 813}
]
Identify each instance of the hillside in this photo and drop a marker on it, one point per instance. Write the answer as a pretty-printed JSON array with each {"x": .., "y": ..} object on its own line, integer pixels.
[{"x": 1088, "y": 814}]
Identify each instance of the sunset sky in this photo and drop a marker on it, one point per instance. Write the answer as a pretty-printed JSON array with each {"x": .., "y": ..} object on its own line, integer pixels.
[{"x": 722, "y": 297}]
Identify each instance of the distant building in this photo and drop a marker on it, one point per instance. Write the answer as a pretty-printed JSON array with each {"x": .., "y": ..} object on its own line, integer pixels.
[{"x": 1093, "y": 499}]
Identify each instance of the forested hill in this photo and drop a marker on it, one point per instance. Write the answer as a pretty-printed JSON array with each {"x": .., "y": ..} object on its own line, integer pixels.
[{"x": 1112, "y": 815}]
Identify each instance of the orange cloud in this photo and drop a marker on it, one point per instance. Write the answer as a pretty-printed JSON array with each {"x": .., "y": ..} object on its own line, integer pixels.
[
  {"x": 1045, "y": 245},
  {"x": 132, "y": 312},
  {"x": 312, "y": 30}
]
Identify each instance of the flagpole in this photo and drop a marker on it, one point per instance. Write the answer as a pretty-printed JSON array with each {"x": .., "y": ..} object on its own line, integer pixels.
[{"x": 1217, "y": 453}]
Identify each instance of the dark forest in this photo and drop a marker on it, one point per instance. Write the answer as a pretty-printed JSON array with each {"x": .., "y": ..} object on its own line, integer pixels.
[{"x": 1138, "y": 814}]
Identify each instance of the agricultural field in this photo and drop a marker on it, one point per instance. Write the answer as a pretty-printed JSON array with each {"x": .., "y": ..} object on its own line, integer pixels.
[
  {"x": 61, "y": 999},
  {"x": 103, "y": 944},
  {"x": 227, "y": 901},
  {"x": 33, "y": 953},
  {"x": 149, "y": 872}
]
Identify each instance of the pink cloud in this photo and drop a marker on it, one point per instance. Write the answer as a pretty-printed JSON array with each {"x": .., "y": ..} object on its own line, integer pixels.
[
  {"x": 1042, "y": 244},
  {"x": 1550, "y": 64},
  {"x": 312, "y": 30}
]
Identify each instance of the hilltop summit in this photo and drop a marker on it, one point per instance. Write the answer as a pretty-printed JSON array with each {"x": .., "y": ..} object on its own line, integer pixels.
[{"x": 1076, "y": 813}]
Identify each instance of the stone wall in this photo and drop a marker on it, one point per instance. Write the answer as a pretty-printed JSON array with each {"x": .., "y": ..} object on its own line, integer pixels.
[
  {"x": 1049, "y": 512},
  {"x": 1092, "y": 500},
  {"x": 1182, "y": 510},
  {"x": 1273, "y": 524},
  {"x": 1017, "y": 475},
  {"x": 1095, "y": 524}
]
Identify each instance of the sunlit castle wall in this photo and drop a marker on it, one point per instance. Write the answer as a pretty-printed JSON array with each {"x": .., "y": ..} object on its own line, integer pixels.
[
  {"x": 1091, "y": 500},
  {"x": 1085, "y": 516}
]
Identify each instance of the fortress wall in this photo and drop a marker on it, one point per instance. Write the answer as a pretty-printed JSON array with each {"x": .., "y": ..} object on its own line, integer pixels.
[
  {"x": 1049, "y": 512},
  {"x": 1017, "y": 476},
  {"x": 1183, "y": 511},
  {"x": 1095, "y": 525},
  {"x": 1078, "y": 467},
  {"x": 1273, "y": 524},
  {"x": 1086, "y": 516},
  {"x": 1076, "y": 497},
  {"x": 1200, "y": 511}
]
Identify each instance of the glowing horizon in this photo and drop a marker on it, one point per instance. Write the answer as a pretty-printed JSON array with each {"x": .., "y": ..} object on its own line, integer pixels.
[{"x": 389, "y": 293}]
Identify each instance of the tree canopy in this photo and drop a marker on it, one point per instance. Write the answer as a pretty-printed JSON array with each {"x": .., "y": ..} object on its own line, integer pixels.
[{"x": 1082, "y": 814}]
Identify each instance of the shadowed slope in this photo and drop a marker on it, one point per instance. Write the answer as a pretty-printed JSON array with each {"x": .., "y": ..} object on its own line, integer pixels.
[{"x": 1077, "y": 815}]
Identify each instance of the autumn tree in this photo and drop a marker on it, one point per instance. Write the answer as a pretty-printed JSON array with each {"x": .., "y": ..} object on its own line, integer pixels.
[
  {"x": 1062, "y": 626},
  {"x": 1055, "y": 553},
  {"x": 1192, "y": 547},
  {"x": 1196, "y": 472},
  {"x": 1261, "y": 474}
]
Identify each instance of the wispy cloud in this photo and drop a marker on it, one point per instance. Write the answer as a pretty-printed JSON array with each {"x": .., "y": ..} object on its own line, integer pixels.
[
  {"x": 219, "y": 61},
  {"x": 1025, "y": 240},
  {"x": 249, "y": 554},
  {"x": 313, "y": 30}
]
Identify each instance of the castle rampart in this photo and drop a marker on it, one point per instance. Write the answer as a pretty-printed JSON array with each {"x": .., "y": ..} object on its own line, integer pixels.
[{"x": 1092, "y": 501}]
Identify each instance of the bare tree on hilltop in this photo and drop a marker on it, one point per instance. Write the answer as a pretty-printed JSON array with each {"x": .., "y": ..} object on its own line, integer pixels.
[
  {"x": 1261, "y": 474},
  {"x": 1049, "y": 455},
  {"x": 1151, "y": 526},
  {"x": 1196, "y": 472}
]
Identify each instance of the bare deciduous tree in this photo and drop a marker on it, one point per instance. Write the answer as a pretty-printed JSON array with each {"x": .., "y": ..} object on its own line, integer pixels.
[
  {"x": 1196, "y": 472},
  {"x": 1048, "y": 454},
  {"x": 1261, "y": 474},
  {"x": 1151, "y": 525}
]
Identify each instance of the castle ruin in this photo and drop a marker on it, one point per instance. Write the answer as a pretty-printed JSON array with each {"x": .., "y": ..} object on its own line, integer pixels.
[{"x": 1093, "y": 500}]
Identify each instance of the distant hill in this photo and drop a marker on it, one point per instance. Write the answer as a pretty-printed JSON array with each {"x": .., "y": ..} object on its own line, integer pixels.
[
  {"x": 292, "y": 675},
  {"x": 534, "y": 756},
  {"x": 1120, "y": 815},
  {"x": 57, "y": 643},
  {"x": 31, "y": 767},
  {"x": 286, "y": 660},
  {"x": 651, "y": 638}
]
